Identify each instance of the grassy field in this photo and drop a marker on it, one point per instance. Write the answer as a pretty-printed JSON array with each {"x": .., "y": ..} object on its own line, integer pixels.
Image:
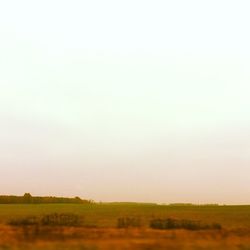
[{"x": 96, "y": 226}]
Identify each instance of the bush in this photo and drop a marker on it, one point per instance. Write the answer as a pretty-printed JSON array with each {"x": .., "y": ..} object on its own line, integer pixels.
[
  {"x": 126, "y": 222},
  {"x": 65, "y": 219},
  {"x": 55, "y": 219},
  {"x": 28, "y": 221},
  {"x": 216, "y": 226},
  {"x": 170, "y": 223}
]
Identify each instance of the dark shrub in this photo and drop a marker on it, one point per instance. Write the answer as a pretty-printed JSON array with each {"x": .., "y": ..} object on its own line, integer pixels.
[
  {"x": 170, "y": 223},
  {"x": 126, "y": 222},
  {"x": 65, "y": 219},
  {"x": 55, "y": 219},
  {"x": 28, "y": 221},
  {"x": 216, "y": 226}
]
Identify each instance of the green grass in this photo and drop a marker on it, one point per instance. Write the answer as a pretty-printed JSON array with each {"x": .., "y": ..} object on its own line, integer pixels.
[
  {"x": 106, "y": 214},
  {"x": 101, "y": 229}
]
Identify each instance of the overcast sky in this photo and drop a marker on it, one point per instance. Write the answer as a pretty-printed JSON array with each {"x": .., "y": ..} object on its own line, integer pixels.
[{"x": 132, "y": 100}]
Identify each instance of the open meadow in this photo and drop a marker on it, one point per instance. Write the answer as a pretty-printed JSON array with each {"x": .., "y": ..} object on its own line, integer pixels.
[{"x": 124, "y": 226}]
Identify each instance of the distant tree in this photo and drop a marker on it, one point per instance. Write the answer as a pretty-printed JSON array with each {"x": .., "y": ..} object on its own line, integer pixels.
[
  {"x": 78, "y": 199},
  {"x": 27, "y": 198}
]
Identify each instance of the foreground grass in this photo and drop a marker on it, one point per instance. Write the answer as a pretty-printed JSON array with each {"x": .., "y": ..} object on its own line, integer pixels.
[
  {"x": 138, "y": 239},
  {"x": 99, "y": 228}
]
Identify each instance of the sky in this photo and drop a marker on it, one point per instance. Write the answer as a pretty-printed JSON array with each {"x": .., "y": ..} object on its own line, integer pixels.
[{"x": 135, "y": 100}]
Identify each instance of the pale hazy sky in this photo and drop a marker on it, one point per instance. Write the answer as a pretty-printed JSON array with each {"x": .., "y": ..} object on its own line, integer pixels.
[{"x": 130, "y": 100}]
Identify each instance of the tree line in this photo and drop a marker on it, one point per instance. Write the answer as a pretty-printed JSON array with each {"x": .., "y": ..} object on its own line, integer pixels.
[{"x": 27, "y": 198}]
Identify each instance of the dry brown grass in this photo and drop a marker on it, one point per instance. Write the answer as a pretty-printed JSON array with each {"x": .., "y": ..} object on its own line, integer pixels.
[{"x": 121, "y": 239}]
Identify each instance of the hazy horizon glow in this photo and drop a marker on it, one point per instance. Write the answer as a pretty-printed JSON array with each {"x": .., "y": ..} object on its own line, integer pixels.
[{"x": 126, "y": 101}]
